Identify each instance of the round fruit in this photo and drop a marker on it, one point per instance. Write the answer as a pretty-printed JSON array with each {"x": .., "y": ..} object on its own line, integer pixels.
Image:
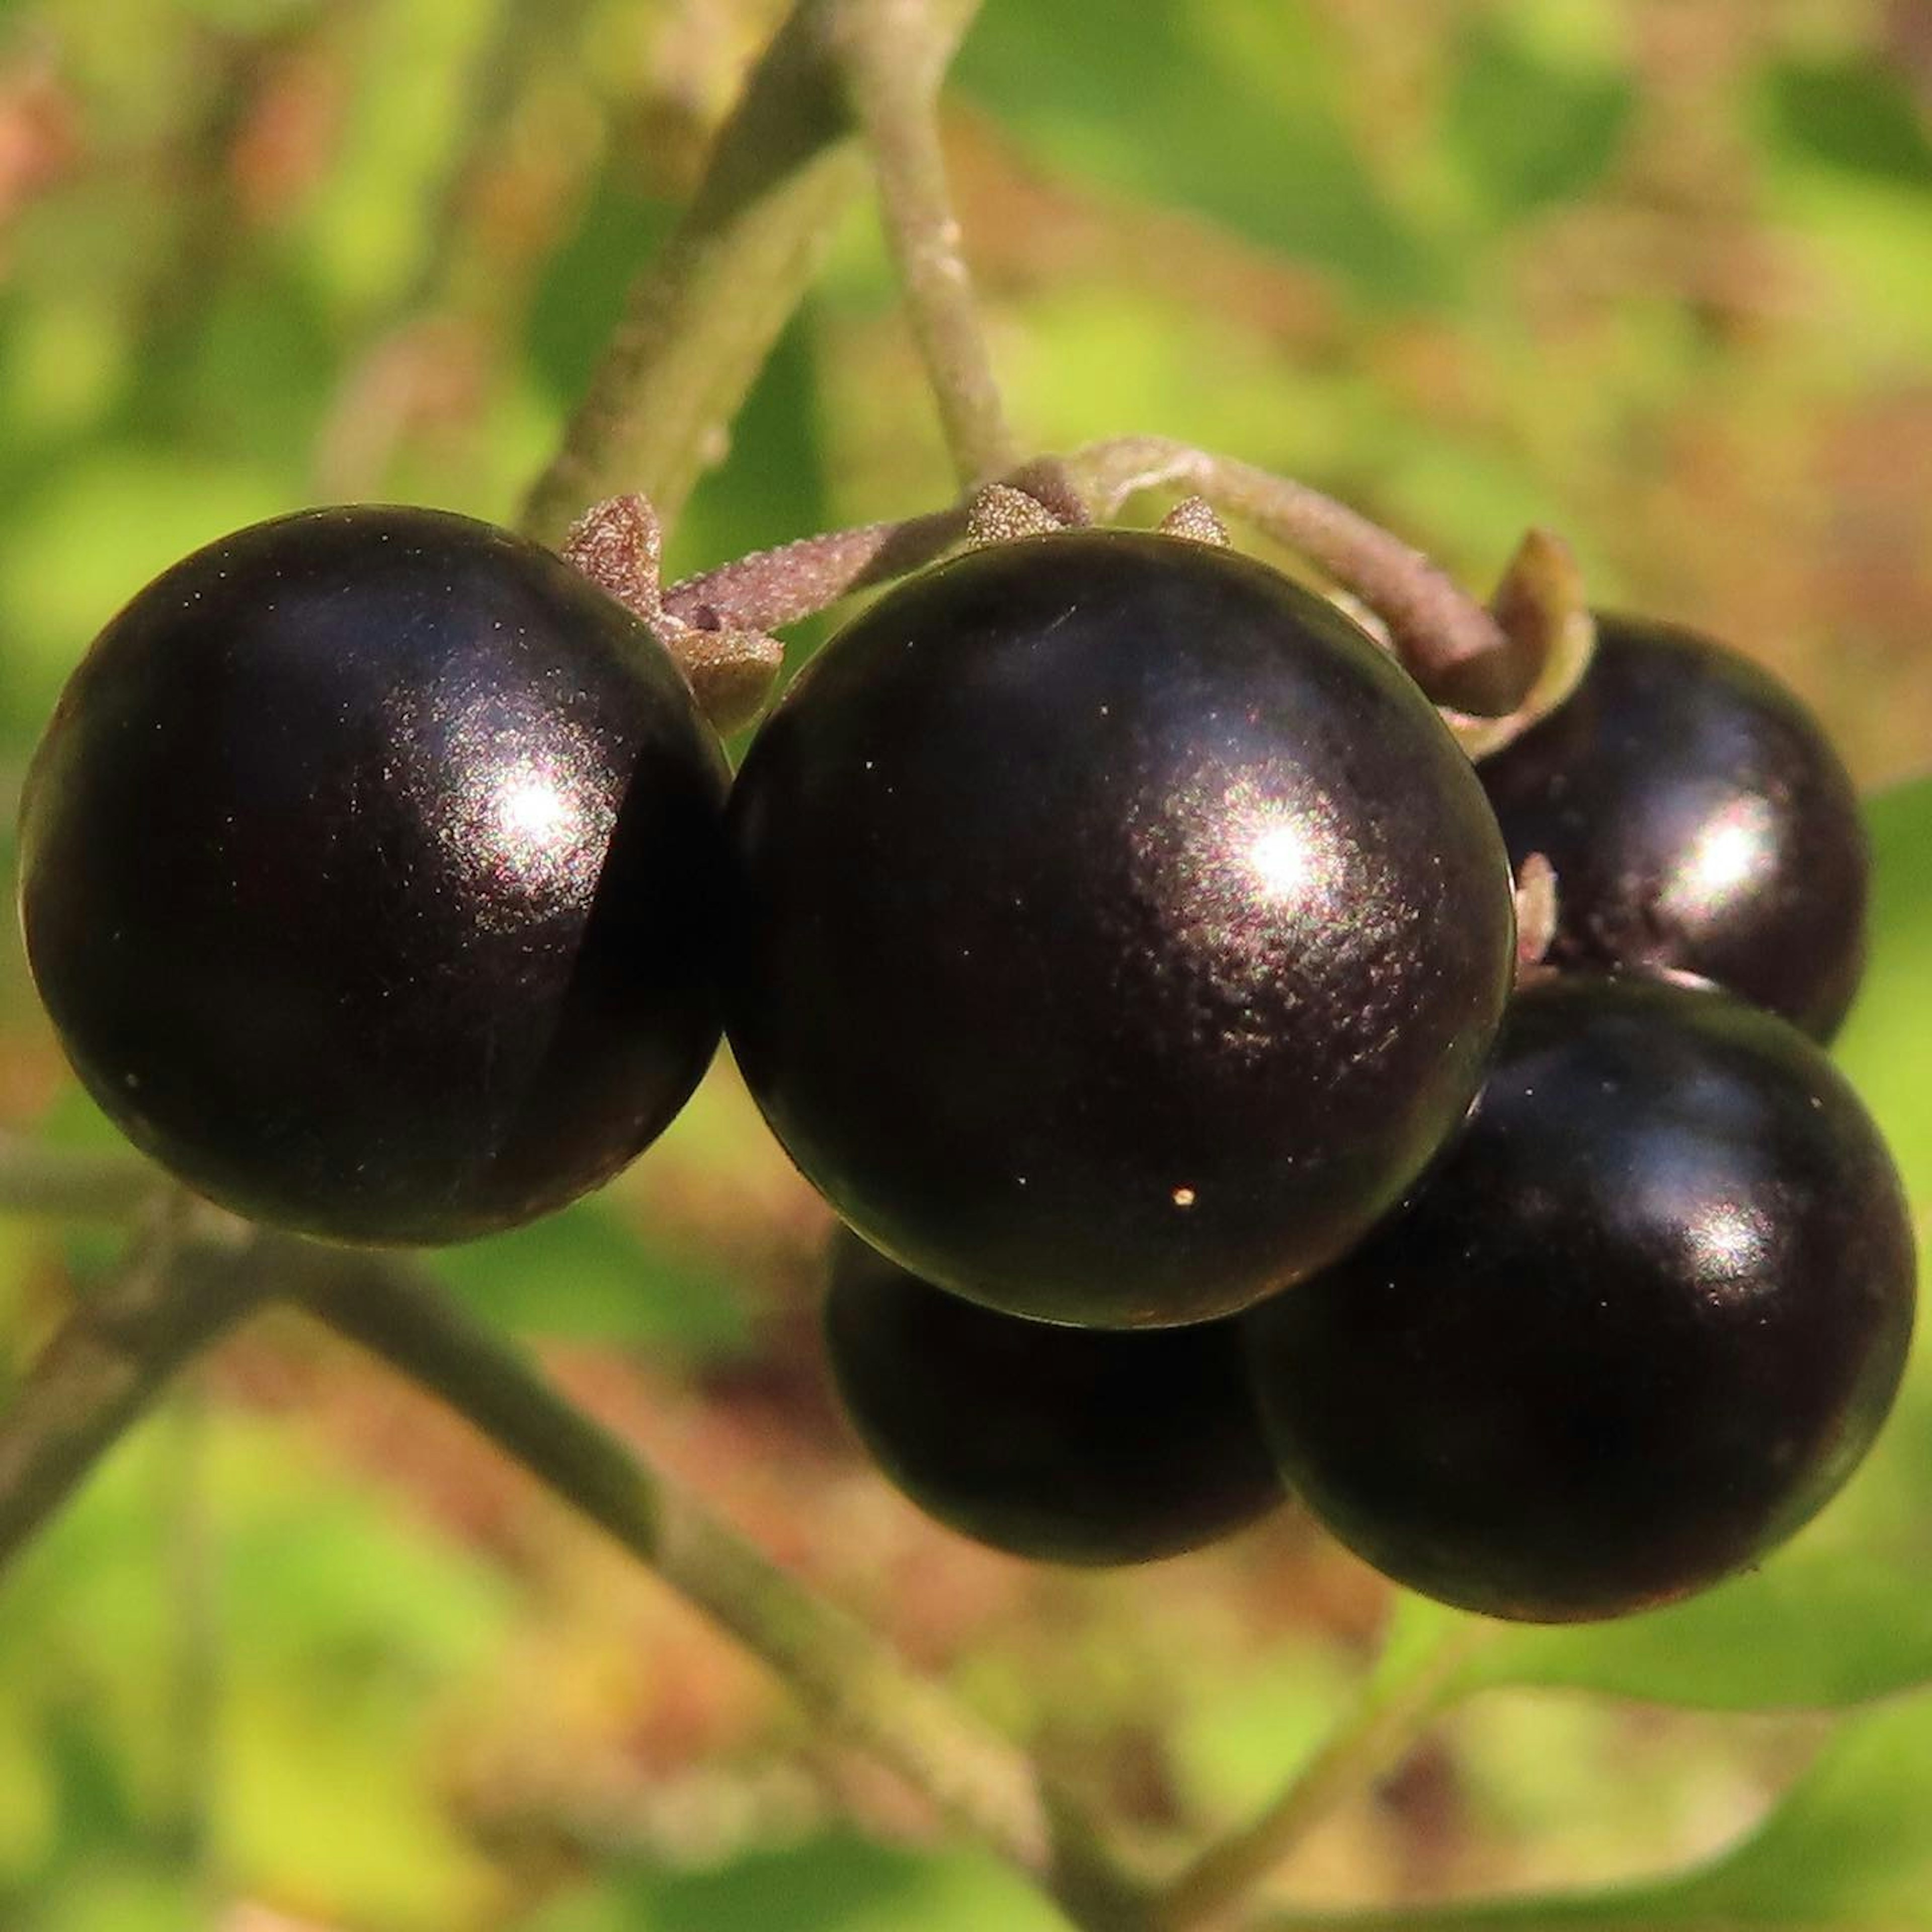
[
  {"x": 1118, "y": 930},
  {"x": 1639, "y": 1323},
  {"x": 1066, "y": 1445},
  {"x": 1699, "y": 822},
  {"x": 368, "y": 872}
]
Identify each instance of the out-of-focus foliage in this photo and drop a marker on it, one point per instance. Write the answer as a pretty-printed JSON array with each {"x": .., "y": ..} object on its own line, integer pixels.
[{"x": 1653, "y": 274}]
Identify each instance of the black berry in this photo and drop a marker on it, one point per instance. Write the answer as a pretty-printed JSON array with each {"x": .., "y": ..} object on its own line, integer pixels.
[
  {"x": 1635, "y": 1327},
  {"x": 1699, "y": 822},
  {"x": 368, "y": 868},
  {"x": 1066, "y": 1445},
  {"x": 1119, "y": 932}
]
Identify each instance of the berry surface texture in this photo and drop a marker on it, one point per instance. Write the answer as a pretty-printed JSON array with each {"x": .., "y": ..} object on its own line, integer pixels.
[
  {"x": 1082, "y": 1446},
  {"x": 1698, "y": 821},
  {"x": 368, "y": 870},
  {"x": 1117, "y": 931},
  {"x": 1638, "y": 1324}
]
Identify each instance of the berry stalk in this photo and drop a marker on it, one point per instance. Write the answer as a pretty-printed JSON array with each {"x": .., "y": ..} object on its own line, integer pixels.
[
  {"x": 699, "y": 322},
  {"x": 894, "y": 64}
]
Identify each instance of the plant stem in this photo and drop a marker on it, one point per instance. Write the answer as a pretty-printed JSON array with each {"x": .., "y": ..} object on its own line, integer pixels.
[
  {"x": 895, "y": 67},
  {"x": 841, "y": 1671},
  {"x": 109, "y": 1360},
  {"x": 773, "y": 587},
  {"x": 68, "y": 1185},
  {"x": 1453, "y": 647},
  {"x": 699, "y": 322},
  {"x": 1394, "y": 1705}
]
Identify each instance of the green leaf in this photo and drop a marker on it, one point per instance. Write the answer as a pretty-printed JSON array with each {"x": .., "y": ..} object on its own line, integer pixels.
[
  {"x": 1527, "y": 132},
  {"x": 1817, "y": 1626},
  {"x": 1883, "y": 1047},
  {"x": 581, "y": 293},
  {"x": 1848, "y": 1846},
  {"x": 1234, "y": 111},
  {"x": 1852, "y": 114},
  {"x": 587, "y": 1275},
  {"x": 835, "y": 1883}
]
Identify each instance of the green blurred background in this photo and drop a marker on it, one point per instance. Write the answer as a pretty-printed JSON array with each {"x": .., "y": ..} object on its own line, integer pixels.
[{"x": 1656, "y": 274}]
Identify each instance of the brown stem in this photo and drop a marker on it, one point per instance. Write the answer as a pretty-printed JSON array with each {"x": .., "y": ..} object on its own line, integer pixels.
[
  {"x": 1455, "y": 648},
  {"x": 775, "y": 587}
]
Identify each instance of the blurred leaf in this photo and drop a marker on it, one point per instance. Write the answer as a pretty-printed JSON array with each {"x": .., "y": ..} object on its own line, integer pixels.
[
  {"x": 771, "y": 486},
  {"x": 1525, "y": 131},
  {"x": 1816, "y": 1626},
  {"x": 72, "y": 554},
  {"x": 247, "y": 375},
  {"x": 1242, "y": 1731},
  {"x": 368, "y": 225},
  {"x": 1884, "y": 1045},
  {"x": 327, "y": 1573},
  {"x": 114, "y": 1894},
  {"x": 1852, "y": 114},
  {"x": 586, "y": 1275},
  {"x": 91, "y": 1797},
  {"x": 582, "y": 291},
  {"x": 836, "y": 1883},
  {"x": 1847, "y": 1847},
  {"x": 1235, "y": 110}
]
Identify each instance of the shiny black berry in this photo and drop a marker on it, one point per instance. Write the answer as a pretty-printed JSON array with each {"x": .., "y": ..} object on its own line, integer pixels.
[
  {"x": 1118, "y": 930},
  {"x": 1637, "y": 1325},
  {"x": 1698, "y": 821},
  {"x": 1065, "y": 1445},
  {"x": 368, "y": 873}
]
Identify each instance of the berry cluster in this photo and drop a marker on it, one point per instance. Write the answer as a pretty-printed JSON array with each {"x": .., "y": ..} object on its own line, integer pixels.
[{"x": 1121, "y": 943}]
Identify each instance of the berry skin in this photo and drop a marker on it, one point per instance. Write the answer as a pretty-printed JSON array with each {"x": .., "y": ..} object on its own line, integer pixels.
[
  {"x": 1065, "y": 1445},
  {"x": 1699, "y": 822},
  {"x": 1639, "y": 1323},
  {"x": 368, "y": 872},
  {"x": 1118, "y": 931}
]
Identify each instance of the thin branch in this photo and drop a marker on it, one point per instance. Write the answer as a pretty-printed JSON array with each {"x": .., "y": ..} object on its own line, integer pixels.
[
  {"x": 700, "y": 321},
  {"x": 838, "y": 1667},
  {"x": 1394, "y": 1706},
  {"x": 109, "y": 1362},
  {"x": 773, "y": 587},
  {"x": 895, "y": 64},
  {"x": 64, "y": 1185},
  {"x": 1454, "y": 648}
]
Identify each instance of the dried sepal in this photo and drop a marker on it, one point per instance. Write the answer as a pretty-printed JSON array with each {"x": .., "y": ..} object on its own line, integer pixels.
[
  {"x": 1193, "y": 517},
  {"x": 998, "y": 513},
  {"x": 619, "y": 544},
  {"x": 1541, "y": 607},
  {"x": 1537, "y": 906}
]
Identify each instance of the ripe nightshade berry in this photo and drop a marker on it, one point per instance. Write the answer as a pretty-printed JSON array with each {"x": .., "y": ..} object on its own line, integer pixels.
[
  {"x": 368, "y": 873},
  {"x": 1066, "y": 1445},
  {"x": 1638, "y": 1324},
  {"x": 1699, "y": 822},
  {"x": 1118, "y": 931}
]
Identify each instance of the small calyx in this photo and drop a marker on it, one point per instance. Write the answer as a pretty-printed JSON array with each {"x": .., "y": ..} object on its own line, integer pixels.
[{"x": 619, "y": 544}]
